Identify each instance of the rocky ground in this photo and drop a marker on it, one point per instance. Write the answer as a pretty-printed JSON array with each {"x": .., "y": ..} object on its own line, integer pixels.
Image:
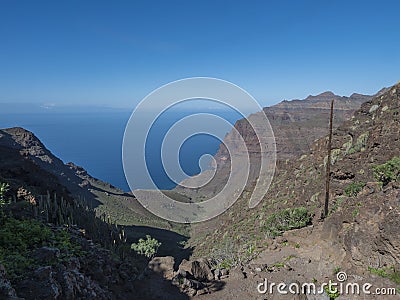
[{"x": 74, "y": 269}]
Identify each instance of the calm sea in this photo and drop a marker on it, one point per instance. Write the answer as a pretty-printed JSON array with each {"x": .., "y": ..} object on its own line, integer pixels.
[{"x": 93, "y": 140}]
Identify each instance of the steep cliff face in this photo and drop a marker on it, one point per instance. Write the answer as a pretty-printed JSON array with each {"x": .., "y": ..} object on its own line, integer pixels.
[
  {"x": 27, "y": 164},
  {"x": 22, "y": 157},
  {"x": 296, "y": 125}
]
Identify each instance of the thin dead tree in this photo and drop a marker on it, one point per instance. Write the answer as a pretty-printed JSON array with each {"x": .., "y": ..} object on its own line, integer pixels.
[{"x": 328, "y": 164}]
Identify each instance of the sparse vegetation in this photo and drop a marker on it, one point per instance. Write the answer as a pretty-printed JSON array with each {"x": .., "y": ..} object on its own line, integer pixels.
[
  {"x": 337, "y": 203},
  {"x": 360, "y": 144},
  {"x": 20, "y": 238},
  {"x": 230, "y": 254},
  {"x": 390, "y": 273},
  {"x": 332, "y": 293},
  {"x": 250, "y": 249},
  {"x": 287, "y": 219},
  {"x": 279, "y": 265},
  {"x": 182, "y": 243},
  {"x": 226, "y": 264},
  {"x": 388, "y": 172},
  {"x": 147, "y": 247},
  {"x": 290, "y": 257},
  {"x": 353, "y": 189}
]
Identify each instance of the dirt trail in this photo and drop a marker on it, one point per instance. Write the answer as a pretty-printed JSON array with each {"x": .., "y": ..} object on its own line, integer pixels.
[{"x": 306, "y": 255}]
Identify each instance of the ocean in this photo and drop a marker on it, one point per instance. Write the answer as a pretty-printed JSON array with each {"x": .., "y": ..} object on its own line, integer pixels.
[{"x": 93, "y": 140}]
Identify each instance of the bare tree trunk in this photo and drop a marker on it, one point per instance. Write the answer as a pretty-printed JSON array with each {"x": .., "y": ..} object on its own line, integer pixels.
[{"x": 328, "y": 165}]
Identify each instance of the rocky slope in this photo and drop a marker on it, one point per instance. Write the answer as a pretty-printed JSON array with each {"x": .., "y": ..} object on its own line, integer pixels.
[
  {"x": 25, "y": 161},
  {"x": 296, "y": 124},
  {"x": 41, "y": 258},
  {"x": 64, "y": 265},
  {"x": 360, "y": 234},
  {"x": 52, "y": 245}
]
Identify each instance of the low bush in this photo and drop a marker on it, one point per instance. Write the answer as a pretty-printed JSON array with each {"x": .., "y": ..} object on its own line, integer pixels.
[
  {"x": 19, "y": 238},
  {"x": 287, "y": 219},
  {"x": 147, "y": 247},
  {"x": 353, "y": 189},
  {"x": 388, "y": 172},
  {"x": 389, "y": 273}
]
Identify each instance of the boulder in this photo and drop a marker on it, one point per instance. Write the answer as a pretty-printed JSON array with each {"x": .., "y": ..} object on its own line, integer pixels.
[
  {"x": 198, "y": 269},
  {"x": 237, "y": 274},
  {"x": 46, "y": 254},
  {"x": 224, "y": 272},
  {"x": 42, "y": 285},
  {"x": 6, "y": 289},
  {"x": 217, "y": 274},
  {"x": 163, "y": 265}
]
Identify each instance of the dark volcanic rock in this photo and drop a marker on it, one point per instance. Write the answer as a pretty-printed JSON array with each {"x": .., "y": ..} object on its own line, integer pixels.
[
  {"x": 6, "y": 289},
  {"x": 46, "y": 254}
]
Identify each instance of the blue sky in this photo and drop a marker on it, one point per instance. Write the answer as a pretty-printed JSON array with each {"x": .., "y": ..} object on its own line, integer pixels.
[{"x": 113, "y": 53}]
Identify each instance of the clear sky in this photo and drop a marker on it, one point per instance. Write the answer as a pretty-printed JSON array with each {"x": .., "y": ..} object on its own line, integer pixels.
[{"x": 115, "y": 52}]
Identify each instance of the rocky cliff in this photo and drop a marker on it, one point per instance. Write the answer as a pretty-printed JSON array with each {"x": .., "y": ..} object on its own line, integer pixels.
[
  {"x": 359, "y": 236},
  {"x": 296, "y": 125},
  {"x": 59, "y": 237},
  {"x": 25, "y": 161}
]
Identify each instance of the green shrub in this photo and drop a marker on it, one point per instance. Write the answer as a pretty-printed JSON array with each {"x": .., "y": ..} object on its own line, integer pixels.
[
  {"x": 148, "y": 247},
  {"x": 389, "y": 273},
  {"x": 337, "y": 203},
  {"x": 226, "y": 264},
  {"x": 62, "y": 240},
  {"x": 388, "y": 172},
  {"x": 353, "y": 189},
  {"x": 332, "y": 292},
  {"x": 287, "y": 219},
  {"x": 279, "y": 265},
  {"x": 360, "y": 144},
  {"x": 23, "y": 235},
  {"x": 19, "y": 238}
]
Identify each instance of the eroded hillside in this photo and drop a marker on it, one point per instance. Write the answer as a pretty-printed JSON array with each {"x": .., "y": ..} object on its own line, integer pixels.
[
  {"x": 296, "y": 125},
  {"x": 364, "y": 206}
]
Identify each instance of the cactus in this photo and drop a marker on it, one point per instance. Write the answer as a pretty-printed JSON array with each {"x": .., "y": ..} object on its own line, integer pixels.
[
  {"x": 4, "y": 188},
  {"x": 78, "y": 212}
]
